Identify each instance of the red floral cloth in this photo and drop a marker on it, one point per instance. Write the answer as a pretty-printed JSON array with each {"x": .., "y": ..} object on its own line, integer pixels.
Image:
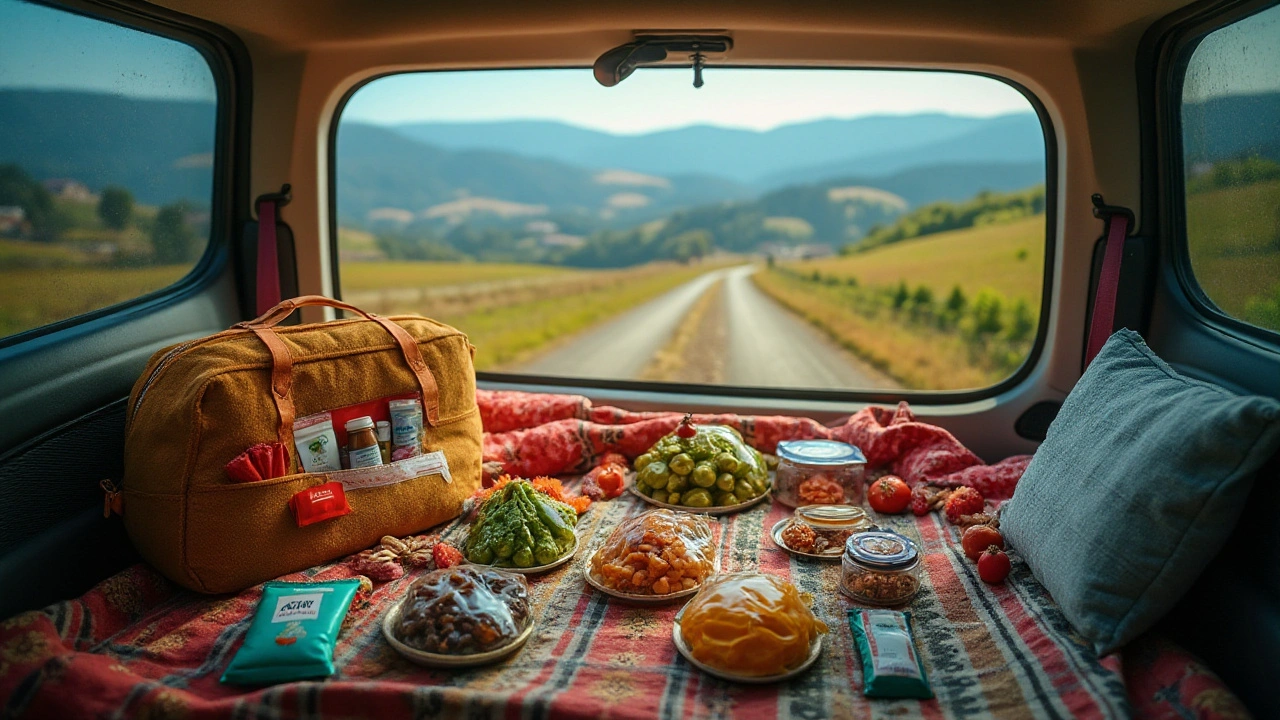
[
  {"x": 1165, "y": 681},
  {"x": 532, "y": 434}
]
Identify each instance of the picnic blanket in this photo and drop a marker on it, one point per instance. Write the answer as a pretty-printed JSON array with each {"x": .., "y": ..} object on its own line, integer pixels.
[{"x": 138, "y": 646}]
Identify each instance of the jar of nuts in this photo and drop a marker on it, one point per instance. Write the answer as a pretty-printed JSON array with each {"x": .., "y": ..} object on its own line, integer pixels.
[{"x": 880, "y": 567}]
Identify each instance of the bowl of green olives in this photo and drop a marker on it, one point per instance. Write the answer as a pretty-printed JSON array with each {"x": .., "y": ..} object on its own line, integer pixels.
[{"x": 703, "y": 469}]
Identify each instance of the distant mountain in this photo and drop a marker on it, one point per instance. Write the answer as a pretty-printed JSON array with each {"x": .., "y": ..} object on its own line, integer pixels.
[
  {"x": 1004, "y": 139},
  {"x": 1233, "y": 126},
  {"x": 952, "y": 182},
  {"x": 380, "y": 171},
  {"x": 161, "y": 150},
  {"x": 744, "y": 156}
]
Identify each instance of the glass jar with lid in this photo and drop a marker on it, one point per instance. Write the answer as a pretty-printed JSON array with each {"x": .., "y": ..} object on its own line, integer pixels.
[
  {"x": 880, "y": 567},
  {"x": 822, "y": 529},
  {"x": 819, "y": 472}
]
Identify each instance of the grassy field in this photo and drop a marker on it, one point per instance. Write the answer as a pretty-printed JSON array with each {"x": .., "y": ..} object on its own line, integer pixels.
[
  {"x": 1008, "y": 258},
  {"x": 893, "y": 306},
  {"x": 1234, "y": 239},
  {"x": 31, "y": 297},
  {"x": 510, "y": 312},
  {"x": 367, "y": 276}
]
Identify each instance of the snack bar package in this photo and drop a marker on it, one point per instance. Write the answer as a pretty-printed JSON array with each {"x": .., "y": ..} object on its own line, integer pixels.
[
  {"x": 891, "y": 667},
  {"x": 293, "y": 633}
]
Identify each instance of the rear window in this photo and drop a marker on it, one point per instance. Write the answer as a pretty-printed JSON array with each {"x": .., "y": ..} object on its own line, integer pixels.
[
  {"x": 106, "y": 163},
  {"x": 803, "y": 229},
  {"x": 1231, "y": 165}
]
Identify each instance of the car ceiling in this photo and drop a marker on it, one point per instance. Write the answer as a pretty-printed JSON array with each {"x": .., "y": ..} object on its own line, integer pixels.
[{"x": 327, "y": 23}]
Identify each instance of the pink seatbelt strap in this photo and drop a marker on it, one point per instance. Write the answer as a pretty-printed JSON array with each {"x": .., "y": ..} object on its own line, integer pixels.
[
  {"x": 1118, "y": 221},
  {"x": 268, "y": 286}
]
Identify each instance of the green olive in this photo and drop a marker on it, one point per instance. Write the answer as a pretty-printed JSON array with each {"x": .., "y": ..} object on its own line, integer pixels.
[
  {"x": 673, "y": 498},
  {"x": 697, "y": 497},
  {"x": 726, "y": 462},
  {"x": 681, "y": 464},
  {"x": 644, "y": 489},
  {"x": 723, "y": 499},
  {"x": 643, "y": 461},
  {"x": 704, "y": 475},
  {"x": 655, "y": 475},
  {"x": 726, "y": 482},
  {"x": 744, "y": 490},
  {"x": 659, "y": 495},
  {"x": 677, "y": 484}
]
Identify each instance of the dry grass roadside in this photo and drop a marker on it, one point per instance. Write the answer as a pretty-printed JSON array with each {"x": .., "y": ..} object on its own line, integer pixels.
[{"x": 917, "y": 358}]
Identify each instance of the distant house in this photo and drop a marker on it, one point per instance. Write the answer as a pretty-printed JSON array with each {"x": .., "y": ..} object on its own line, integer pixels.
[
  {"x": 69, "y": 189},
  {"x": 13, "y": 221}
]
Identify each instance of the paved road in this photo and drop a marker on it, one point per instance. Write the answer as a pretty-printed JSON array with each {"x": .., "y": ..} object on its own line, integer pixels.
[
  {"x": 620, "y": 348},
  {"x": 768, "y": 346},
  {"x": 771, "y": 347}
]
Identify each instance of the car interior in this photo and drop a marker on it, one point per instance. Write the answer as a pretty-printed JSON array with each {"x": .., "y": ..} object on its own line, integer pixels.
[{"x": 1144, "y": 109}]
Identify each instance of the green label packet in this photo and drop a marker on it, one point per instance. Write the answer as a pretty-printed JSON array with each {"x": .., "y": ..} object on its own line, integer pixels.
[
  {"x": 891, "y": 666},
  {"x": 293, "y": 633}
]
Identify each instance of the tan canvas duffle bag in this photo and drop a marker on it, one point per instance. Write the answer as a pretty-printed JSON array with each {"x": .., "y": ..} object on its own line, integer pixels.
[{"x": 201, "y": 403}]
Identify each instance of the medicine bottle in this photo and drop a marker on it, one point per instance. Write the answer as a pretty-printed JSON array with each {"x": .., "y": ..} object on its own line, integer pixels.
[{"x": 362, "y": 444}]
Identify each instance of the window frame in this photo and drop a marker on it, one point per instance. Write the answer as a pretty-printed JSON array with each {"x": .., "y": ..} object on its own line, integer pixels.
[
  {"x": 548, "y": 383},
  {"x": 1177, "y": 44},
  {"x": 229, "y": 66}
]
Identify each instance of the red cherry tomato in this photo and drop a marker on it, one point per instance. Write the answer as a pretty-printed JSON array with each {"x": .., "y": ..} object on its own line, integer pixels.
[
  {"x": 890, "y": 494},
  {"x": 993, "y": 565},
  {"x": 686, "y": 428},
  {"x": 979, "y": 538}
]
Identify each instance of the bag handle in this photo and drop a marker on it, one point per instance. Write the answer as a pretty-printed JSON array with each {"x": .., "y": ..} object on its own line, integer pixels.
[{"x": 282, "y": 360}]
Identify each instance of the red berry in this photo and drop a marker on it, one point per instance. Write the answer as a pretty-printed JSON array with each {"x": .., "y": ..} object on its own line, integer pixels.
[
  {"x": 993, "y": 565},
  {"x": 446, "y": 555},
  {"x": 964, "y": 501},
  {"x": 920, "y": 500}
]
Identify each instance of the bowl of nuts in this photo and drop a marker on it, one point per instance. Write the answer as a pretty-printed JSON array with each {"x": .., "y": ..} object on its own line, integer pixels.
[
  {"x": 461, "y": 616},
  {"x": 820, "y": 531}
]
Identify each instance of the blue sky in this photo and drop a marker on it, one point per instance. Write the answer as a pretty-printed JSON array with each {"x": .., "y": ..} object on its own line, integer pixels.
[{"x": 655, "y": 99}]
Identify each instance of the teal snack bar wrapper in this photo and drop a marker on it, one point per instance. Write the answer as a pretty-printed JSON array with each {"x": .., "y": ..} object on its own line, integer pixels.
[
  {"x": 891, "y": 665},
  {"x": 293, "y": 633}
]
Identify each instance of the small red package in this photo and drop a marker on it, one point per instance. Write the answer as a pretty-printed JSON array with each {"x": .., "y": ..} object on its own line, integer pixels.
[{"x": 321, "y": 502}]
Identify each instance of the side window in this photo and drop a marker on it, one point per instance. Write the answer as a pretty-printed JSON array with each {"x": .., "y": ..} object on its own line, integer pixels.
[
  {"x": 1231, "y": 165},
  {"x": 106, "y": 163}
]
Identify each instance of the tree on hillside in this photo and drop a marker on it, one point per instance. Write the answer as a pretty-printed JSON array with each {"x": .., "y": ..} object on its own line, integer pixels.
[
  {"x": 115, "y": 207},
  {"x": 172, "y": 240},
  {"x": 688, "y": 245},
  {"x": 17, "y": 188}
]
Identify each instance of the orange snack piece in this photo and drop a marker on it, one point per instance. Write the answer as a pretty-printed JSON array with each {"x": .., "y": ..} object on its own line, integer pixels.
[
  {"x": 751, "y": 624},
  {"x": 657, "y": 553}
]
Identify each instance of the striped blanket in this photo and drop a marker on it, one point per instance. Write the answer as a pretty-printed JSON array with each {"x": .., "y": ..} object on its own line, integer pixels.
[{"x": 138, "y": 646}]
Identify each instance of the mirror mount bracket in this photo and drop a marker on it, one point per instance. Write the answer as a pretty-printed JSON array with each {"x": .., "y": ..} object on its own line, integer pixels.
[{"x": 617, "y": 64}]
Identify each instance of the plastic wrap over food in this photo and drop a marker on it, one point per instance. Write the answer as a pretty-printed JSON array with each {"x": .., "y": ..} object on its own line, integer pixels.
[
  {"x": 713, "y": 467},
  {"x": 751, "y": 624},
  {"x": 464, "y": 610},
  {"x": 657, "y": 553}
]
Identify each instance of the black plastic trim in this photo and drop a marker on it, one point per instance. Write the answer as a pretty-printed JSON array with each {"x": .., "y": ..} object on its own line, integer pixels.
[
  {"x": 229, "y": 64},
  {"x": 1166, "y": 51},
  {"x": 921, "y": 397}
]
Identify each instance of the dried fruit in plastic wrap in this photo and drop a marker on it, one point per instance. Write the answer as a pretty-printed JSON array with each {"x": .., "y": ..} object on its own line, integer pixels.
[
  {"x": 657, "y": 553},
  {"x": 751, "y": 624},
  {"x": 464, "y": 610}
]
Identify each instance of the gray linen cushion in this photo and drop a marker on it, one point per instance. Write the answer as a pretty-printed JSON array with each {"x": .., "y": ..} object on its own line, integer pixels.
[{"x": 1136, "y": 487}]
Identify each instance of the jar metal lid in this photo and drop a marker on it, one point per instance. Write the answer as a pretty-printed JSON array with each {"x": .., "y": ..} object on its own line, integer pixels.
[
  {"x": 359, "y": 423},
  {"x": 820, "y": 452},
  {"x": 882, "y": 550}
]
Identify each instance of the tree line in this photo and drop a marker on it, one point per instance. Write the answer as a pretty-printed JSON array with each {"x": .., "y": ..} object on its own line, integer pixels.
[{"x": 984, "y": 209}]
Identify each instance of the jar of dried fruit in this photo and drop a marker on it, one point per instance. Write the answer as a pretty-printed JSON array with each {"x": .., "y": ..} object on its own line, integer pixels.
[
  {"x": 880, "y": 567},
  {"x": 819, "y": 472}
]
